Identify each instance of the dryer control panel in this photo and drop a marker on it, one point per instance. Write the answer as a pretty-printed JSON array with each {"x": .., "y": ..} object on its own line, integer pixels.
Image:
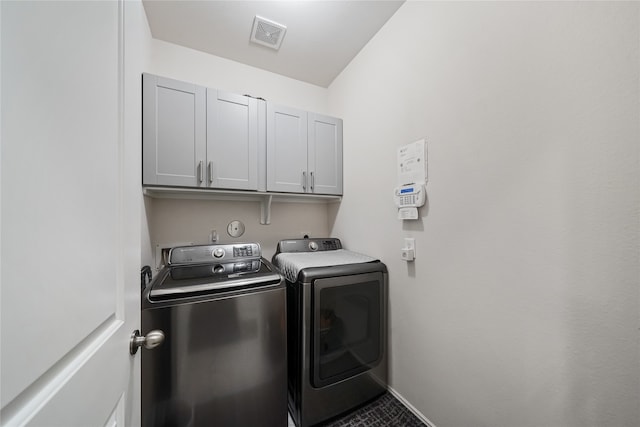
[{"x": 309, "y": 245}]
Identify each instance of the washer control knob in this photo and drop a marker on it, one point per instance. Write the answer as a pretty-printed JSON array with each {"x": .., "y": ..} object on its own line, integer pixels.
[
  {"x": 313, "y": 246},
  {"x": 218, "y": 269},
  {"x": 218, "y": 253}
]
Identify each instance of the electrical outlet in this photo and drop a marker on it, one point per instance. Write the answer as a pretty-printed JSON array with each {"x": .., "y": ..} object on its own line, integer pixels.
[
  {"x": 408, "y": 252},
  {"x": 407, "y": 255}
]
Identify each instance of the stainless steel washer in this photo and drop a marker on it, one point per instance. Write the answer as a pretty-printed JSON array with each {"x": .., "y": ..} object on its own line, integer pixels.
[{"x": 222, "y": 309}]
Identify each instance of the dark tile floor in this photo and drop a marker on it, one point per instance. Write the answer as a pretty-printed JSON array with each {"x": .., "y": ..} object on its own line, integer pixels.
[{"x": 385, "y": 411}]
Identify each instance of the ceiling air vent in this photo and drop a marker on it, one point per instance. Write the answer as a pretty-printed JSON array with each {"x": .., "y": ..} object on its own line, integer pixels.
[{"x": 267, "y": 32}]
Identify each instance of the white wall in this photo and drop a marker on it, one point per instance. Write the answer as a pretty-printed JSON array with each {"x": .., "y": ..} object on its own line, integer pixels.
[
  {"x": 177, "y": 221},
  {"x": 177, "y": 62},
  {"x": 190, "y": 221},
  {"x": 522, "y": 306}
]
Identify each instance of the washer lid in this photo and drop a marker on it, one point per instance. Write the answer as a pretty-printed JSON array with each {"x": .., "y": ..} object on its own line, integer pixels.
[
  {"x": 290, "y": 263},
  {"x": 202, "y": 280}
]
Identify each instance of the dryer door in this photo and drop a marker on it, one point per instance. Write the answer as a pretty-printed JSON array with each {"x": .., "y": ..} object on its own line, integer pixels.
[{"x": 347, "y": 326}]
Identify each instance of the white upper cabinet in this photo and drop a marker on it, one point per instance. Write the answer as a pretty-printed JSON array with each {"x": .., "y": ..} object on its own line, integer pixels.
[
  {"x": 304, "y": 152},
  {"x": 195, "y": 137},
  {"x": 232, "y": 141},
  {"x": 325, "y": 154},
  {"x": 286, "y": 149},
  {"x": 174, "y": 132},
  {"x": 198, "y": 137}
]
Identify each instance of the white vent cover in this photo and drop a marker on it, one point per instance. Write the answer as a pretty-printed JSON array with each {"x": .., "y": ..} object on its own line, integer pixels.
[{"x": 267, "y": 32}]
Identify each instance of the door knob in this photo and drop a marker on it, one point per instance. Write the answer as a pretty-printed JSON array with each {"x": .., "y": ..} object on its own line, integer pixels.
[{"x": 151, "y": 340}]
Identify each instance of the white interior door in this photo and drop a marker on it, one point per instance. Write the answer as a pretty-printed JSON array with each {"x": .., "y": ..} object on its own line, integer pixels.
[{"x": 70, "y": 195}]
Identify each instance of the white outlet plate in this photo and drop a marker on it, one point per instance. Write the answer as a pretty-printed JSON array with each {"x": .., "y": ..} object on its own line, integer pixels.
[
  {"x": 408, "y": 252},
  {"x": 410, "y": 243}
]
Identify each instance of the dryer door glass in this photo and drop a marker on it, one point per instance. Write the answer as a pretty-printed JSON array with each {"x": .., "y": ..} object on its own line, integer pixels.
[{"x": 346, "y": 326}]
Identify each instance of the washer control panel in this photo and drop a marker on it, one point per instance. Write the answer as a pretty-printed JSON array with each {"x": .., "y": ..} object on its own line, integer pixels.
[
  {"x": 236, "y": 267},
  {"x": 204, "y": 254}
]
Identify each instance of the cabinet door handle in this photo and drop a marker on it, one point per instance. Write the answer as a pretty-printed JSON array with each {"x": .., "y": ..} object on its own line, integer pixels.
[
  {"x": 200, "y": 172},
  {"x": 312, "y": 181},
  {"x": 210, "y": 173},
  {"x": 304, "y": 181}
]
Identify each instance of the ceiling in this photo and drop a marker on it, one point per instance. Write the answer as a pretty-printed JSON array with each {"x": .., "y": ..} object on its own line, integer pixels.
[{"x": 321, "y": 38}]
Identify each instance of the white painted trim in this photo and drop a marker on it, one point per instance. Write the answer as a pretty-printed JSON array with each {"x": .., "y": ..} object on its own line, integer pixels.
[
  {"x": 412, "y": 408},
  {"x": 120, "y": 264},
  {"x": 117, "y": 417}
]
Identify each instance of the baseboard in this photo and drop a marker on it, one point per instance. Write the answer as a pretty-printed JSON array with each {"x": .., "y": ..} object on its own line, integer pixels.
[{"x": 411, "y": 407}]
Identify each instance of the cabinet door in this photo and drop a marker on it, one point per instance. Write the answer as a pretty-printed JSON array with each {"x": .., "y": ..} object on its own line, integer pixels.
[
  {"x": 232, "y": 141},
  {"x": 174, "y": 132},
  {"x": 286, "y": 149},
  {"x": 325, "y": 154}
]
